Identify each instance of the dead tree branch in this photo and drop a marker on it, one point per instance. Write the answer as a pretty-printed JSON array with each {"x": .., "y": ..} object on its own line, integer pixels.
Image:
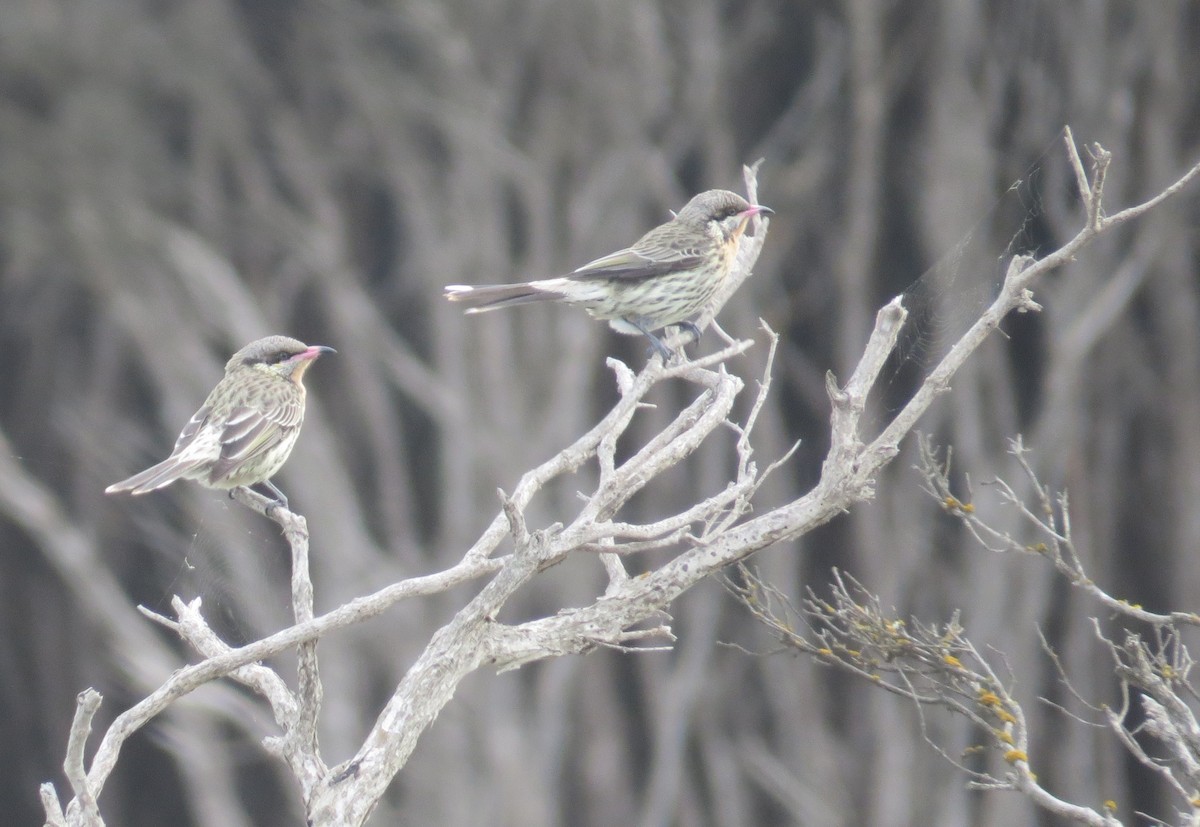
[{"x": 702, "y": 539}]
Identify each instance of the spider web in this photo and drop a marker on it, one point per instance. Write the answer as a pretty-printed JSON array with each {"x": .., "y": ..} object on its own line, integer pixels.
[
  {"x": 947, "y": 298},
  {"x": 236, "y": 562}
]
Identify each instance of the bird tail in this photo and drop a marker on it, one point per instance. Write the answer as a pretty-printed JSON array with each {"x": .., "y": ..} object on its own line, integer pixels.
[
  {"x": 490, "y": 297},
  {"x": 154, "y": 477}
]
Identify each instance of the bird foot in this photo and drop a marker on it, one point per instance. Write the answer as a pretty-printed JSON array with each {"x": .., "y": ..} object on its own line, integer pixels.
[
  {"x": 669, "y": 354},
  {"x": 691, "y": 328},
  {"x": 281, "y": 501},
  {"x": 657, "y": 346}
]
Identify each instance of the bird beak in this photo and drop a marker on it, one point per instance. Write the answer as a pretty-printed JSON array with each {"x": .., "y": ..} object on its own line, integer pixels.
[
  {"x": 745, "y": 216},
  {"x": 312, "y": 353},
  {"x": 303, "y": 360}
]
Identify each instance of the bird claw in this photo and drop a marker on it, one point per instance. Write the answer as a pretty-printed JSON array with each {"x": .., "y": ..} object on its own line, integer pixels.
[
  {"x": 691, "y": 328},
  {"x": 657, "y": 346},
  {"x": 281, "y": 501},
  {"x": 668, "y": 354}
]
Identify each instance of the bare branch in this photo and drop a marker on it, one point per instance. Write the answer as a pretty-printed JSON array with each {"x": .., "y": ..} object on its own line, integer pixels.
[
  {"x": 85, "y": 796},
  {"x": 929, "y": 664},
  {"x": 52, "y": 806}
]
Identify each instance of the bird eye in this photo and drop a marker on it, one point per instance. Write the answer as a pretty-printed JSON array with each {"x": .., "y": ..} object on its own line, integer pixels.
[{"x": 281, "y": 356}]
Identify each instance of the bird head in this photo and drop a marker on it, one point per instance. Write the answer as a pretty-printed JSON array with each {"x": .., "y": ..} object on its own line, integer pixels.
[
  {"x": 720, "y": 213},
  {"x": 283, "y": 356}
]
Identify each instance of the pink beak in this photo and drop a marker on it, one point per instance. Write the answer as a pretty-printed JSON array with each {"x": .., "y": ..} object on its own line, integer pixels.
[{"x": 312, "y": 353}]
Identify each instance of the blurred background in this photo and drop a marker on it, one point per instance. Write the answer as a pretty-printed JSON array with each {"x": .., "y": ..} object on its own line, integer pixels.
[{"x": 179, "y": 178}]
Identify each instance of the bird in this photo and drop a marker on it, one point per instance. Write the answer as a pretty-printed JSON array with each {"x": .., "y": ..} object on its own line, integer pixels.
[
  {"x": 665, "y": 278},
  {"x": 246, "y": 428}
]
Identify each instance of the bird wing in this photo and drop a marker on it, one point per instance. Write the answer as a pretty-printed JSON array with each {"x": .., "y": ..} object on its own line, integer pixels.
[
  {"x": 655, "y": 254},
  {"x": 188, "y": 435},
  {"x": 251, "y": 432}
]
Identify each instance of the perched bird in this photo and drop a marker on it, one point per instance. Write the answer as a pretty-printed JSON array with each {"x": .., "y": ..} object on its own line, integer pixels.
[
  {"x": 666, "y": 278},
  {"x": 247, "y": 426}
]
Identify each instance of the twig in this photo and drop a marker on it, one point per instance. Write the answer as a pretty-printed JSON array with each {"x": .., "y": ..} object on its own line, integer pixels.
[
  {"x": 1050, "y": 519},
  {"x": 86, "y": 705}
]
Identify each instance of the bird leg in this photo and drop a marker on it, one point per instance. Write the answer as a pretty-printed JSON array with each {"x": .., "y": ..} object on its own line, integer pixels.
[
  {"x": 280, "y": 499},
  {"x": 691, "y": 328},
  {"x": 656, "y": 343}
]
